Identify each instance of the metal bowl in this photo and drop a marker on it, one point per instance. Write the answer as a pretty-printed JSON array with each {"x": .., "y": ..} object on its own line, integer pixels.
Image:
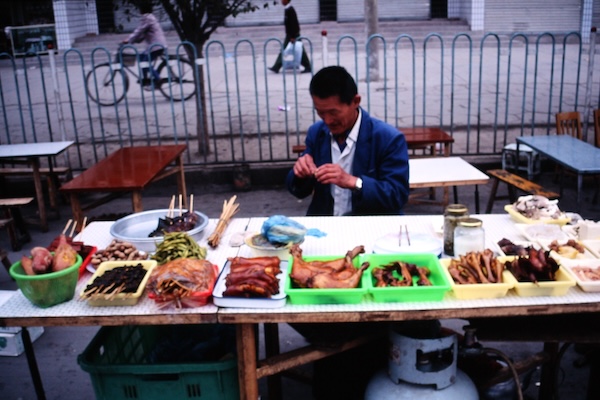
[{"x": 135, "y": 228}]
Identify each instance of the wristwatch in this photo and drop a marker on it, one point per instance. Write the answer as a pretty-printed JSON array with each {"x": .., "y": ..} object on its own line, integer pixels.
[{"x": 358, "y": 185}]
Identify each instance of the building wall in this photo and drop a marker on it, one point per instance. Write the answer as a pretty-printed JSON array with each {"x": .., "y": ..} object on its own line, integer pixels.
[
  {"x": 354, "y": 10},
  {"x": 307, "y": 10},
  {"x": 534, "y": 16},
  {"x": 74, "y": 19}
]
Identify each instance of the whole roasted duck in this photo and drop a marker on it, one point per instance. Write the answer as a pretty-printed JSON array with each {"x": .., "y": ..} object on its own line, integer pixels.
[{"x": 337, "y": 273}]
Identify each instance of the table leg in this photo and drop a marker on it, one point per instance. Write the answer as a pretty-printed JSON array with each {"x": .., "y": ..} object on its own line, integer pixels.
[
  {"x": 579, "y": 187},
  {"x": 272, "y": 349},
  {"x": 76, "y": 208},
  {"x": 246, "y": 347},
  {"x": 33, "y": 367},
  {"x": 136, "y": 200},
  {"x": 476, "y": 199},
  {"x": 547, "y": 378},
  {"x": 181, "y": 187},
  {"x": 39, "y": 193}
]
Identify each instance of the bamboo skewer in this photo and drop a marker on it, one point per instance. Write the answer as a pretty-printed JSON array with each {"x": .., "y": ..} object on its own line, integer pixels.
[
  {"x": 73, "y": 229},
  {"x": 67, "y": 226},
  {"x": 191, "y": 209},
  {"x": 171, "y": 205},
  {"x": 180, "y": 205},
  {"x": 229, "y": 210}
]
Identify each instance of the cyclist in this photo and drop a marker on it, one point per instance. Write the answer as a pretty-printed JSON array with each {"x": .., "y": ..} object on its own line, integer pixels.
[{"x": 149, "y": 31}]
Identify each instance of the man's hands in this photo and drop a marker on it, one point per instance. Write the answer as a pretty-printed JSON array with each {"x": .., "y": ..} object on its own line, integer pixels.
[{"x": 326, "y": 173}]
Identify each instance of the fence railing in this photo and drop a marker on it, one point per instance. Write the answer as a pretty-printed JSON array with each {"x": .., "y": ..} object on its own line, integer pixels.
[{"x": 484, "y": 91}]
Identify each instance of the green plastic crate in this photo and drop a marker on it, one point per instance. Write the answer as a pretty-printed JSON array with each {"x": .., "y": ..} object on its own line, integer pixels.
[{"x": 117, "y": 361}]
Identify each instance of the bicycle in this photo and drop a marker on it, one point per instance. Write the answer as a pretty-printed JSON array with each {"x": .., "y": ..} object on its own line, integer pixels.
[{"x": 107, "y": 83}]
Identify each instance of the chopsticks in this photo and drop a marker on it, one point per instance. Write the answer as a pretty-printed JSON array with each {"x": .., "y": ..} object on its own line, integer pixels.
[{"x": 405, "y": 228}]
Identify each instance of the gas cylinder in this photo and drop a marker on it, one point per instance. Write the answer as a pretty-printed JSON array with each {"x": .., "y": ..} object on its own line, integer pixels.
[
  {"x": 421, "y": 365},
  {"x": 381, "y": 387}
]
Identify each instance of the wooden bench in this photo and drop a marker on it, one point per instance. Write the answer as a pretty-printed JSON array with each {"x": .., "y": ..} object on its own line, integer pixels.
[
  {"x": 13, "y": 221},
  {"x": 514, "y": 182},
  {"x": 51, "y": 177}
]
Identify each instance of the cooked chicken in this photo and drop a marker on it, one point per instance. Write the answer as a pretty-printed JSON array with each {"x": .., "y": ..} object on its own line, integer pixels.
[{"x": 339, "y": 272}]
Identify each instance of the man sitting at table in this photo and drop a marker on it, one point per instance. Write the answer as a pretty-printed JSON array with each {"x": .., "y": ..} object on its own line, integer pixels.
[{"x": 353, "y": 164}]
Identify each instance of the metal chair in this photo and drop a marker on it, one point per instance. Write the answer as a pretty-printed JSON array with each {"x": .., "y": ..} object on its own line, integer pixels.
[{"x": 529, "y": 160}]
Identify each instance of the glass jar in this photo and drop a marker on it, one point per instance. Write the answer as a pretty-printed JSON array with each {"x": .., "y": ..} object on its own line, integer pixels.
[
  {"x": 452, "y": 214},
  {"x": 469, "y": 236}
]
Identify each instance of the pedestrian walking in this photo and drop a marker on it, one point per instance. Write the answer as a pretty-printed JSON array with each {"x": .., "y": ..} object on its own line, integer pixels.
[{"x": 292, "y": 33}]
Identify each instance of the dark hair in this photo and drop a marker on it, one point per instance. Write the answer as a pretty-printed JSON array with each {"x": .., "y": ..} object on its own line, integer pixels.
[
  {"x": 146, "y": 7},
  {"x": 333, "y": 81}
]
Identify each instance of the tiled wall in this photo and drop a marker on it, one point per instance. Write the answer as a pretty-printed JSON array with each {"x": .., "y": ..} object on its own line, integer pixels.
[{"x": 74, "y": 19}]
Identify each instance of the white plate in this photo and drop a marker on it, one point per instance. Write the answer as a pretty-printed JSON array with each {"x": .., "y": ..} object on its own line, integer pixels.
[
  {"x": 593, "y": 246},
  {"x": 419, "y": 243},
  {"x": 242, "y": 302},
  {"x": 571, "y": 255},
  {"x": 585, "y": 285},
  {"x": 537, "y": 232}
]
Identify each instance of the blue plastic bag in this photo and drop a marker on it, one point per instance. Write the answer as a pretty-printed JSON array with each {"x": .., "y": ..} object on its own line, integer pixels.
[{"x": 281, "y": 229}]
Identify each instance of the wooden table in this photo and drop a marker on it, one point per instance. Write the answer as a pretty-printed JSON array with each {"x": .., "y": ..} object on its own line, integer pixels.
[
  {"x": 343, "y": 233},
  {"x": 428, "y": 137},
  {"x": 445, "y": 172},
  {"x": 31, "y": 153},
  {"x": 129, "y": 169},
  {"x": 572, "y": 153}
]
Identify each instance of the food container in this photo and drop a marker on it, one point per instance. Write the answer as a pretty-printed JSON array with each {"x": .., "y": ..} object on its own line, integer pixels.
[
  {"x": 135, "y": 228},
  {"x": 119, "y": 299},
  {"x": 419, "y": 243},
  {"x": 558, "y": 287},
  {"x": 436, "y": 292},
  {"x": 298, "y": 295},
  {"x": 262, "y": 247},
  {"x": 46, "y": 290},
  {"x": 565, "y": 251},
  {"x": 468, "y": 236},
  {"x": 452, "y": 214},
  {"x": 593, "y": 246},
  {"x": 537, "y": 232},
  {"x": 586, "y": 284},
  {"x": 275, "y": 301},
  {"x": 520, "y": 218},
  {"x": 479, "y": 290}
]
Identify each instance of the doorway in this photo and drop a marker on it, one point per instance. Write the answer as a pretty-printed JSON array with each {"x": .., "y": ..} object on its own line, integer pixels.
[
  {"x": 439, "y": 8},
  {"x": 328, "y": 10}
]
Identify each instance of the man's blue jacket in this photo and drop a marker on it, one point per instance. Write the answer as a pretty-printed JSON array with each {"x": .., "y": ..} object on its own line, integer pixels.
[{"x": 380, "y": 160}]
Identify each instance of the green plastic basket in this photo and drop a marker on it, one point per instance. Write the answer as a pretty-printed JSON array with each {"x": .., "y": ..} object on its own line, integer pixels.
[
  {"x": 117, "y": 361},
  {"x": 46, "y": 290}
]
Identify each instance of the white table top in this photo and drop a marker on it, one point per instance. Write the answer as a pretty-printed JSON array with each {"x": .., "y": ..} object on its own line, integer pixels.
[
  {"x": 566, "y": 150},
  {"x": 40, "y": 149},
  {"x": 444, "y": 171},
  {"x": 342, "y": 234}
]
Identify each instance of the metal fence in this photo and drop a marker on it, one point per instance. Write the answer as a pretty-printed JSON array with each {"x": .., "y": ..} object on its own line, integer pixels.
[{"x": 483, "y": 90}]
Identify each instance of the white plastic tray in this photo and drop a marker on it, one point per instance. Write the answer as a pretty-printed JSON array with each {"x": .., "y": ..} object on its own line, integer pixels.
[{"x": 242, "y": 302}]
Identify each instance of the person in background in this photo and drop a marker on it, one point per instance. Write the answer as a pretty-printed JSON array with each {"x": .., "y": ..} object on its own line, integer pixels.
[
  {"x": 150, "y": 32},
  {"x": 292, "y": 33},
  {"x": 353, "y": 164}
]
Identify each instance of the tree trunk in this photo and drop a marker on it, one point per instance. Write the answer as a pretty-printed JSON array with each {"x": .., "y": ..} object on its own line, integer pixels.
[
  {"x": 372, "y": 28},
  {"x": 201, "y": 116}
]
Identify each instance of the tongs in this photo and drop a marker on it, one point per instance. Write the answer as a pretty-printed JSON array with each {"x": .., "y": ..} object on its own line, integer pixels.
[{"x": 405, "y": 228}]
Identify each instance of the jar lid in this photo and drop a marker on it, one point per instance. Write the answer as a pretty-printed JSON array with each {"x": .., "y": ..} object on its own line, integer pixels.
[
  {"x": 456, "y": 209},
  {"x": 470, "y": 222}
]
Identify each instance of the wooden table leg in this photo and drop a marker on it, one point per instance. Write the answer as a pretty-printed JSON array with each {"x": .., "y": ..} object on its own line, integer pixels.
[
  {"x": 272, "y": 349},
  {"x": 547, "y": 378},
  {"x": 39, "y": 194},
  {"x": 136, "y": 200},
  {"x": 76, "y": 208},
  {"x": 246, "y": 347},
  {"x": 181, "y": 187}
]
